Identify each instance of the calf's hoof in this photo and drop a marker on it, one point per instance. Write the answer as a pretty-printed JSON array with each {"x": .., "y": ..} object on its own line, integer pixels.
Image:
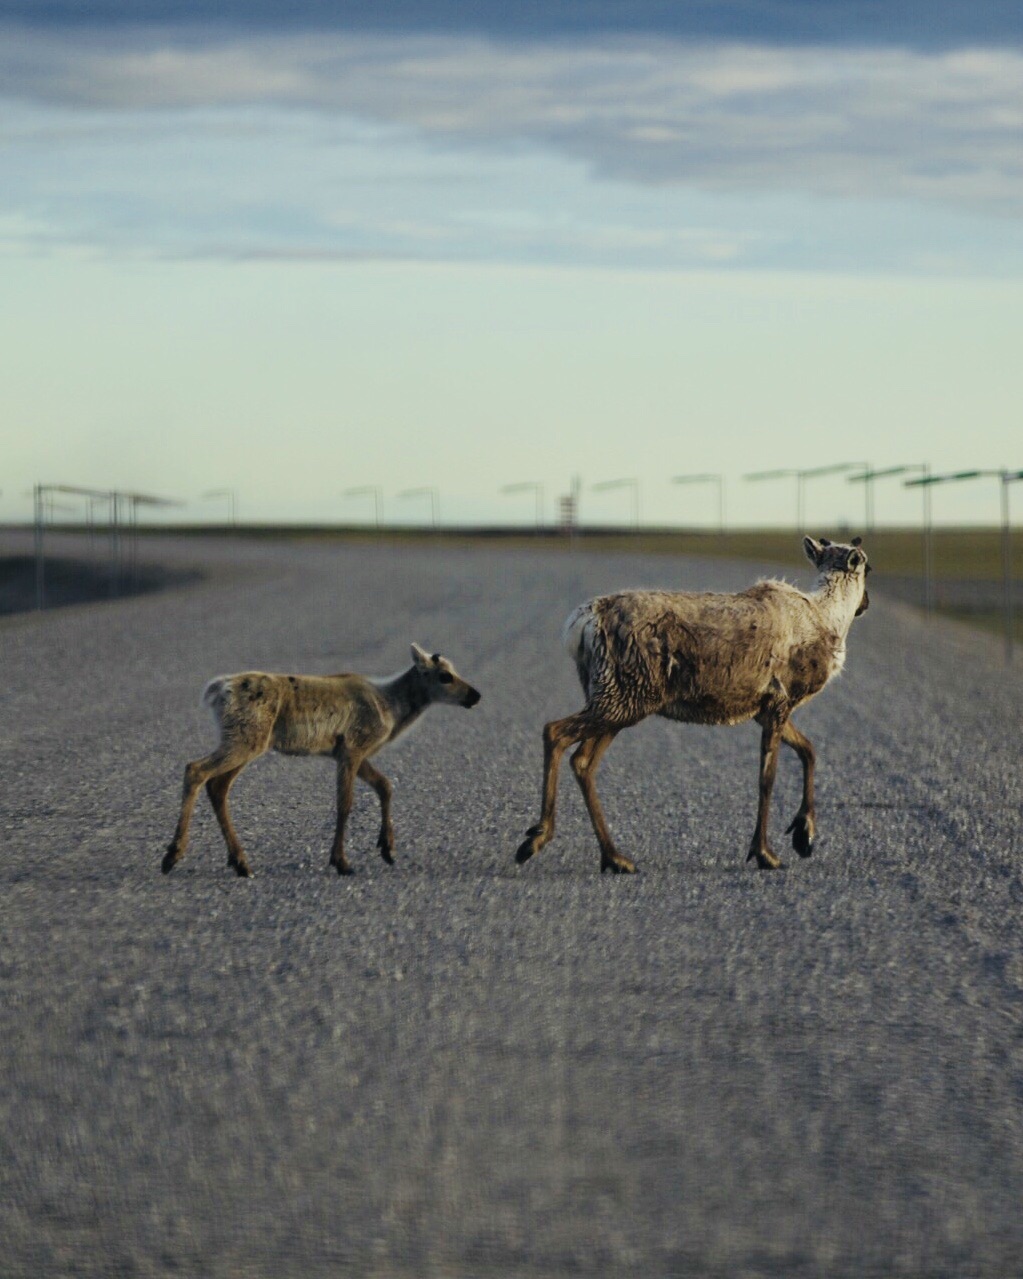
[
  {"x": 242, "y": 869},
  {"x": 342, "y": 868},
  {"x": 802, "y": 833},
  {"x": 170, "y": 859},
  {"x": 618, "y": 865},
  {"x": 386, "y": 850}
]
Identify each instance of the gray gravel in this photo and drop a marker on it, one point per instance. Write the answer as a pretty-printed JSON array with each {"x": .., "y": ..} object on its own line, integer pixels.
[{"x": 455, "y": 1067}]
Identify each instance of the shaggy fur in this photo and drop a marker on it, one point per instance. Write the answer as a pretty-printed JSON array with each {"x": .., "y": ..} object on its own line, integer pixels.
[
  {"x": 705, "y": 658},
  {"x": 347, "y": 717}
]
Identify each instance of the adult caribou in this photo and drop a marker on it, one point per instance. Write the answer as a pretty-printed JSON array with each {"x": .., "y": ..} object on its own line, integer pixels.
[{"x": 705, "y": 658}]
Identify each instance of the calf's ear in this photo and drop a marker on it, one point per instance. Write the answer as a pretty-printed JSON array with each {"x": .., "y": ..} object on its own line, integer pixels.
[
  {"x": 420, "y": 656},
  {"x": 814, "y": 550}
]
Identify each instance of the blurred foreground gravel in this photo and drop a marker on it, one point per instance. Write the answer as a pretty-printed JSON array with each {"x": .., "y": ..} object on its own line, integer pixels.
[{"x": 454, "y": 1067}]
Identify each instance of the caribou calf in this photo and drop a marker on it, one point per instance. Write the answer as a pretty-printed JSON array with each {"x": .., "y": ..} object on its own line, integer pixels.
[
  {"x": 346, "y": 717},
  {"x": 705, "y": 658}
]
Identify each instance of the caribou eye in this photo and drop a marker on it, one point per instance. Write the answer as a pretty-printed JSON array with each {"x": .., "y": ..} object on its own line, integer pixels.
[{"x": 445, "y": 677}]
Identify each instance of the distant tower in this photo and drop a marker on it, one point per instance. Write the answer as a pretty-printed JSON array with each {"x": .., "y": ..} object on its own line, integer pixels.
[{"x": 568, "y": 508}]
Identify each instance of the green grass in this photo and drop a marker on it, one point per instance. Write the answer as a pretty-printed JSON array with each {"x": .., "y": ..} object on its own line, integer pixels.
[{"x": 959, "y": 554}]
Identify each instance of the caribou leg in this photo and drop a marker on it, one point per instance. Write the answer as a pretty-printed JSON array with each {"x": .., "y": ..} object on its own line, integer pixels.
[{"x": 803, "y": 827}]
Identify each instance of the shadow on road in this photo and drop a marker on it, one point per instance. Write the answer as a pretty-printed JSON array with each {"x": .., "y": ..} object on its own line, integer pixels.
[{"x": 76, "y": 581}]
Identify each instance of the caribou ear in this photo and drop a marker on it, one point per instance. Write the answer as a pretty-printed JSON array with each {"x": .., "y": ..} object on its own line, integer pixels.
[
  {"x": 857, "y": 541},
  {"x": 825, "y": 542},
  {"x": 813, "y": 550},
  {"x": 420, "y": 656}
]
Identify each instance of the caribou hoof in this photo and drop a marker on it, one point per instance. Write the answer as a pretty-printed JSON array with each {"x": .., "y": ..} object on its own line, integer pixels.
[
  {"x": 170, "y": 859},
  {"x": 342, "y": 868},
  {"x": 802, "y": 836},
  {"x": 242, "y": 870},
  {"x": 386, "y": 849},
  {"x": 765, "y": 859},
  {"x": 620, "y": 867},
  {"x": 535, "y": 839},
  {"x": 527, "y": 849}
]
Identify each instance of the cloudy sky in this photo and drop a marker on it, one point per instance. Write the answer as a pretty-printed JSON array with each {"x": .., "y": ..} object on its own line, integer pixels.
[{"x": 298, "y": 248}]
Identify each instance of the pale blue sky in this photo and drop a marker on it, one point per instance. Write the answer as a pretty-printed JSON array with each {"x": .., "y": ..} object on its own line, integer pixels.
[{"x": 292, "y": 258}]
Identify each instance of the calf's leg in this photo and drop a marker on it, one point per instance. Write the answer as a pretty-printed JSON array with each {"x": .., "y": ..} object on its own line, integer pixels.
[
  {"x": 217, "y": 788},
  {"x": 346, "y": 771},
  {"x": 225, "y": 759},
  {"x": 373, "y": 777},
  {"x": 803, "y": 827}
]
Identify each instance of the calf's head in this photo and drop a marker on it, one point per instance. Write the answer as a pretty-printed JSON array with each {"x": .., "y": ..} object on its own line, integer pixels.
[{"x": 441, "y": 681}]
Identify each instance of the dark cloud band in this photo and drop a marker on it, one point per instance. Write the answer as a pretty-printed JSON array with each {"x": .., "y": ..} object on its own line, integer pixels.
[{"x": 938, "y": 24}]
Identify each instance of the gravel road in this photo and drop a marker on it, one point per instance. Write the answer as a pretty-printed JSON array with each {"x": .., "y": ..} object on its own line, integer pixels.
[{"x": 457, "y": 1067}]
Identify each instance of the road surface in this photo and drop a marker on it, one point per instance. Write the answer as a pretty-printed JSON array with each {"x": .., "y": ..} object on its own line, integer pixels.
[{"x": 458, "y": 1067}]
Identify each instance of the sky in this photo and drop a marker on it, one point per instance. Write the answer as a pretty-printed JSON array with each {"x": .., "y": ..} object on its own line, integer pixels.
[{"x": 297, "y": 249}]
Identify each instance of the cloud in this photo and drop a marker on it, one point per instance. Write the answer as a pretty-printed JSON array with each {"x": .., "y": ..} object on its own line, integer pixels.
[
  {"x": 872, "y": 124},
  {"x": 905, "y": 23}
]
